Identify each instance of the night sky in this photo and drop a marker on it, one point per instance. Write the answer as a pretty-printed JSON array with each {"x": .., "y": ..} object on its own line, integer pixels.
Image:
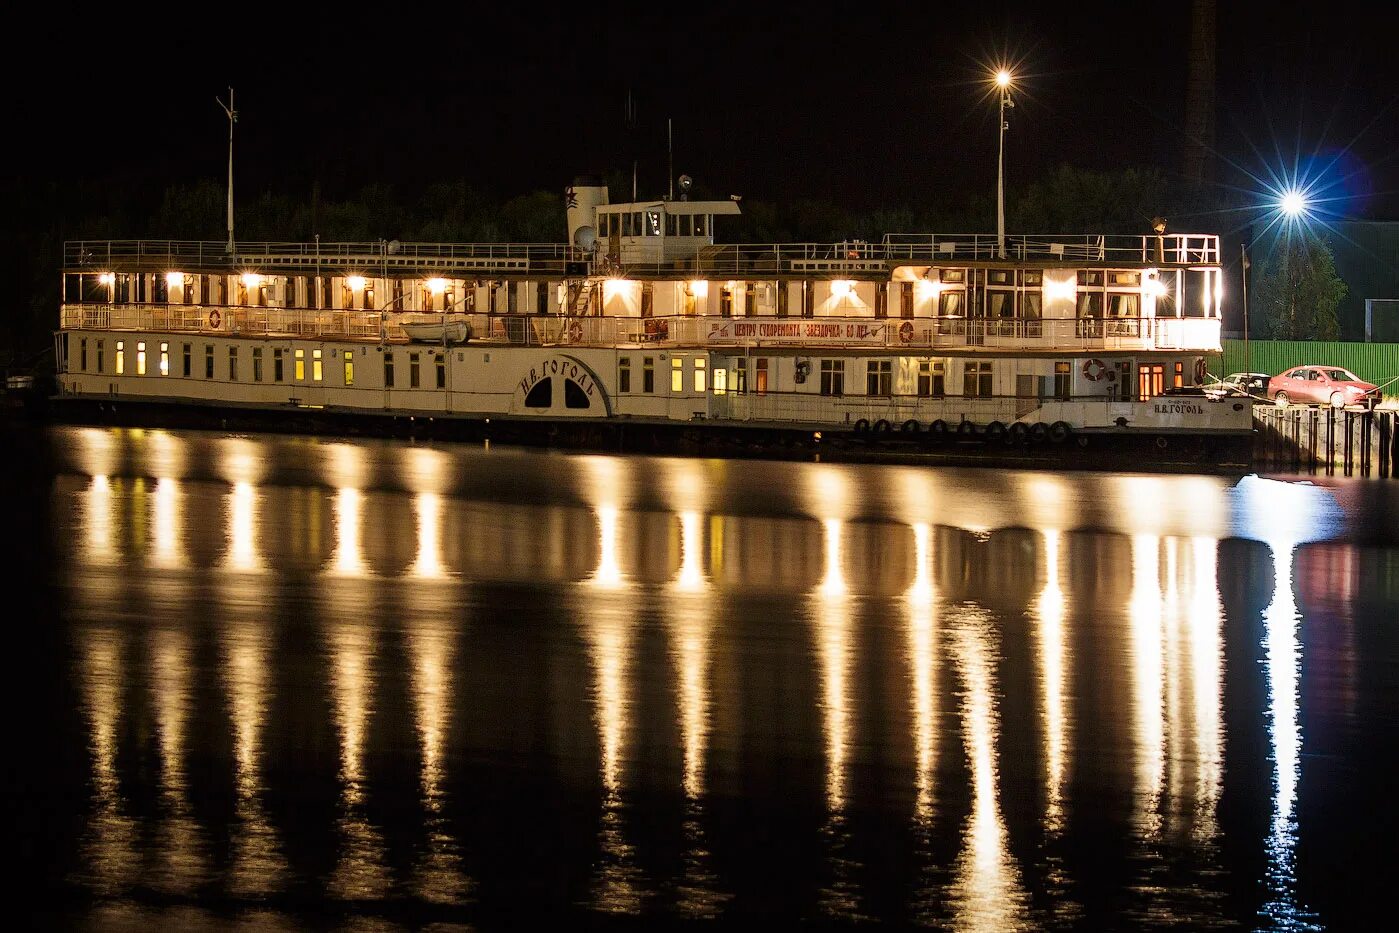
[{"x": 867, "y": 106}]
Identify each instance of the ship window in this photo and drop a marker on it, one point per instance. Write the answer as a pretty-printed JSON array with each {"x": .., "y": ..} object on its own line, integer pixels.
[
  {"x": 257, "y": 364},
  {"x": 603, "y": 225},
  {"x": 906, "y": 299},
  {"x": 1063, "y": 381},
  {"x": 1000, "y": 303},
  {"x": 542, "y": 395},
  {"x": 726, "y": 301},
  {"x": 951, "y": 304},
  {"x": 808, "y": 298},
  {"x": 541, "y": 299},
  {"x": 121, "y": 356},
  {"x": 648, "y": 374},
  {"x": 1126, "y": 278},
  {"x": 952, "y": 275},
  {"x": 100, "y": 354},
  {"x": 760, "y": 376},
  {"x": 186, "y": 361},
  {"x": 624, "y": 374},
  {"x": 573, "y": 395},
  {"x": 740, "y": 376},
  {"x": 677, "y": 375},
  {"x": 82, "y": 355},
  {"x": 232, "y": 364},
  {"x": 441, "y": 372},
  {"x": 976, "y": 380},
  {"x": 349, "y": 358},
  {"x": 1090, "y": 304},
  {"x": 299, "y": 369},
  {"x": 413, "y": 379},
  {"x": 1178, "y": 379},
  {"x": 878, "y": 377},
  {"x": 208, "y": 361},
  {"x": 316, "y": 365},
  {"x": 165, "y": 359},
  {"x": 388, "y": 370},
  {"x": 141, "y": 358},
  {"x": 700, "y": 364},
  {"x": 833, "y": 377},
  {"x": 1120, "y": 305},
  {"x": 932, "y": 378},
  {"x": 1150, "y": 381},
  {"x": 999, "y": 276},
  {"x": 277, "y": 364},
  {"x": 1090, "y": 277},
  {"x": 702, "y": 225},
  {"x": 1031, "y": 305},
  {"x": 784, "y": 299}
]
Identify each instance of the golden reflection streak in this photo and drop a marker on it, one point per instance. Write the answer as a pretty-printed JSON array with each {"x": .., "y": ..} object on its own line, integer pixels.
[
  {"x": 1173, "y": 686},
  {"x": 840, "y": 898},
  {"x": 1207, "y": 684},
  {"x": 440, "y": 876},
  {"x": 922, "y": 652},
  {"x": 258, "y": 866},
  {"x": 170, "y": 698},
  {"x": 428, "y": 563},
  {"x": 690, "y": 637},
  {"x": 348, "y": 561},
  {"x": 110, "y": 839},
  {"x": 609, "y": 630},
  {"x": 608, "y": 574},
  {"x": 1147, "y": 664},
  {"x": 167, "y": 554},
  {"x": 986, "y": 892},
  {"x": 360, "y": 873},
  {"x": 242, "y": 529},
  {"x": 1051, "y": 611},
  {"x": 99, "y": 450}
]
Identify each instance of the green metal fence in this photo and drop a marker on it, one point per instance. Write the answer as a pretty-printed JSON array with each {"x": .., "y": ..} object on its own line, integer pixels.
[{"x": 1373, "y": 362}]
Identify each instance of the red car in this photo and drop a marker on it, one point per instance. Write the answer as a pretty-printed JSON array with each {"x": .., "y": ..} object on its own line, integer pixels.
[{"x": 1322, "y": 385}]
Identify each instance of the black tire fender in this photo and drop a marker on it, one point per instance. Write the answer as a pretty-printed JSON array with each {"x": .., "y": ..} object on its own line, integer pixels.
[
  {"x": 862, "y": 425},
  {"x": 1059, "y": 432},
  {"x": 910, "y": 426}
]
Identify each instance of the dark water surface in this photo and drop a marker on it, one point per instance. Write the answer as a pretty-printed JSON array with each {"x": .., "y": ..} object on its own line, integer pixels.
[{"x": 285, "y": 682}]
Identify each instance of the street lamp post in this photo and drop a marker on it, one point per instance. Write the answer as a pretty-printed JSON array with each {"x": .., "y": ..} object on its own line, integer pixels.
[
  {"x": 1003, "y": 79},
  {"x": 232, "y": 118}
]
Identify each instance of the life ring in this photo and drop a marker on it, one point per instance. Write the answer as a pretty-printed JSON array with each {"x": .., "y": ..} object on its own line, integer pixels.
[
  {"x": 214, "y": 319},
  {"x": 575, "y": 331},
  {"x": 1093, "y": 370},
  {"x": 1200, "y": 371},
  {"x": 906, "y": 332}
]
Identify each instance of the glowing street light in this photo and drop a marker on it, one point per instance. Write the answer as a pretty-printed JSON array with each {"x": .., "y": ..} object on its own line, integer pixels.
[
  {"x": 1293, "y": 203},
  {"x": 1003, "y": 81}
]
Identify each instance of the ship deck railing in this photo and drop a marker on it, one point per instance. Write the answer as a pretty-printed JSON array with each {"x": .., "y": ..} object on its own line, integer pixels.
[
  {"x": 849, "y": 257},
  {"x": 551, "y": 330}
]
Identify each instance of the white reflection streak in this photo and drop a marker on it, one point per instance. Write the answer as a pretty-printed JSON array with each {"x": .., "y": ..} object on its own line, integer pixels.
[
  {"x": 1282, "y": 660},
  {"x": 430, "y": 642},
  {"x": 170, "y": 685},
  {"x": 986, "y": 894},
  {"x": 348, "y": 560},
  {"x": 99, "y": 521},
  {"x": 1145, "y": 609},
  {"x": 242, "y": 528},
  {"x": 608, "y": 574},
  {"x": 1207, "y": 674},
  {"x": 1051, "y": 644},
  {"x": 428, "y": 563},
  {"x": 1173, "y": 683},
  {"x": 166, "y": 520},
  {"x": 257, "y": 864},
  {"x": 691, "y": 577},
  {"x": 109, "y": 843},
  {"x": 833, "y": 634},
  {"x": 361, "y": 873},
  {"x": 922, "y": 649}
]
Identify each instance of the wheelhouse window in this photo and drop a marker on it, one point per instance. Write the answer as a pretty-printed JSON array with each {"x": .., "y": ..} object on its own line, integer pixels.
[
  {"x": 976, "y": 380},
  {"x": 833, "y": 377}
]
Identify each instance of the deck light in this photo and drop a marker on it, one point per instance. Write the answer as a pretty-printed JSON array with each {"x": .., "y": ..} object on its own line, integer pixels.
[
  {"x": 1003, "y": 81},
  {"x": 174, "y": 280},
  {"x": 437, "y": 286},
  {"x": 108, "y": 279},
  {"x": 355, "y": 283},
  {"x": 251, "y": 279}
]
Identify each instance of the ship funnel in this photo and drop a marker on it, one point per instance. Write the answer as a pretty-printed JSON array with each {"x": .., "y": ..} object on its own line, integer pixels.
[{"x": 583, "y": 198}]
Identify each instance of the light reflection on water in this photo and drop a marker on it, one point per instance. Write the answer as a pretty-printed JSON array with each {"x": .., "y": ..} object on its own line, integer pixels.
[{"x": 877, "y": 618}]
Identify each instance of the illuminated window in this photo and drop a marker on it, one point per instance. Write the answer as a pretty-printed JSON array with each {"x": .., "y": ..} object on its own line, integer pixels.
[
  {"x": 349, "y": 358},
  {"x": 976, "y": 380},
  {"x": 760, "y": 375},
  {"x": 648, "y": 374},
  {"x": 165, "y": 359},
  {"x": 677, "y": 375},
  {"x": 951, "y": 303},
  {"x": 833, "y": 377},
  {"x": 721, "y": 380},
  {"x": 257, "y": 364},
  {"x": 700, "y": 364},
  {"x": 141, "y": 358},
  {"x": 413, "y": 381},
  {"x": 233, "y": 364},
  {"x": 388, "y": 370},
  {"x": 299, "y": 369},
  {"x": 316, "y": 365},
  {"x": 121, "y": 356},
  {"x": 277, "y": 372},
  {"x": 624, "y": 374},
  {"x": 441, "y": 366},
  {"x": 1150, "y": 381},
  {"x": 879, "y": 377},
  {"x": 1178, "y": 378}
]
